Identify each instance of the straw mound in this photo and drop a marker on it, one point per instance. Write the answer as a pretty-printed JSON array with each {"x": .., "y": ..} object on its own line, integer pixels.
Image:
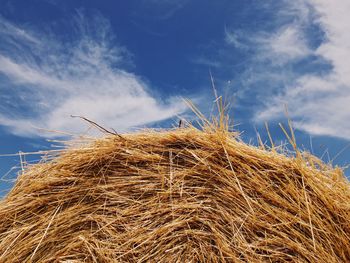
[{"x": 182, "y": 195}]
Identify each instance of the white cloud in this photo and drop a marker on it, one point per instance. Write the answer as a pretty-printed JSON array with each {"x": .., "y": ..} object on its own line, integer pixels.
[
  {"x": 299, "y": 11},
  {"x": 11, "y": 31},
  {"x": 161, "y": 9},
  {"x": 49, "y": 79},
  {"x": 319, "y": 102},
  {"x": 283, "y": 46},
  {"x": 234, "y": 38},
  {"x": 206, "y": 62},
  {"x": 287, "y": 44}
]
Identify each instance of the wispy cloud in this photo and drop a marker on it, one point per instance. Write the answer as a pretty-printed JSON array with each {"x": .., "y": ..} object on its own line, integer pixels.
[
  {"x": 235, "y": 38},
  {"x": 314, "y": 72},
  {"x": 46, "y": 78},
  {"x": 286, "y": 45},
  {"x": 320, "y": 103},
  {"x": 161, "y": 9},
  {"x": 206, "y": 62}
]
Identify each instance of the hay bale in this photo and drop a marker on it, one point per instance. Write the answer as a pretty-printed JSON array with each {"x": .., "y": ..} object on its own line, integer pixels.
[{"x": 183, "y": 195}]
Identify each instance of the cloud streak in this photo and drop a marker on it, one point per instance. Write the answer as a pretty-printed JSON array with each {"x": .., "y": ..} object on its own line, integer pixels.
[{"x": 46, "y": 78}]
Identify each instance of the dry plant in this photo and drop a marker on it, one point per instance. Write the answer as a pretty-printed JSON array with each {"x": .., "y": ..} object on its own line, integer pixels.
[{"x": 180, "y": 195}]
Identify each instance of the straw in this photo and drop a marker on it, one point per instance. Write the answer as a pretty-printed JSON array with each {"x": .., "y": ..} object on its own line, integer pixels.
[{"x": 177, "y": 195}]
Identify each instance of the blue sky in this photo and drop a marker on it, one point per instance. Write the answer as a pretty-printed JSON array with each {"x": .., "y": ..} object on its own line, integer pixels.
[{"x": 128, "y": 64}]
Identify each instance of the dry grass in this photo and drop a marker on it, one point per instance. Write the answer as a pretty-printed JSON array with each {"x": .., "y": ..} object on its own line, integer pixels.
[{"x": 181, "y": 195}]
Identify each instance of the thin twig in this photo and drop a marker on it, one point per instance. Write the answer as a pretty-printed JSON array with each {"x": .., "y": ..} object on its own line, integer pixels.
[{"x": 98, "y": 126}]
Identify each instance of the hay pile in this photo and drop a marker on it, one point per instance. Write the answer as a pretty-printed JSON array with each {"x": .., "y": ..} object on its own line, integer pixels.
[{"x": 182, "y": 195}]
